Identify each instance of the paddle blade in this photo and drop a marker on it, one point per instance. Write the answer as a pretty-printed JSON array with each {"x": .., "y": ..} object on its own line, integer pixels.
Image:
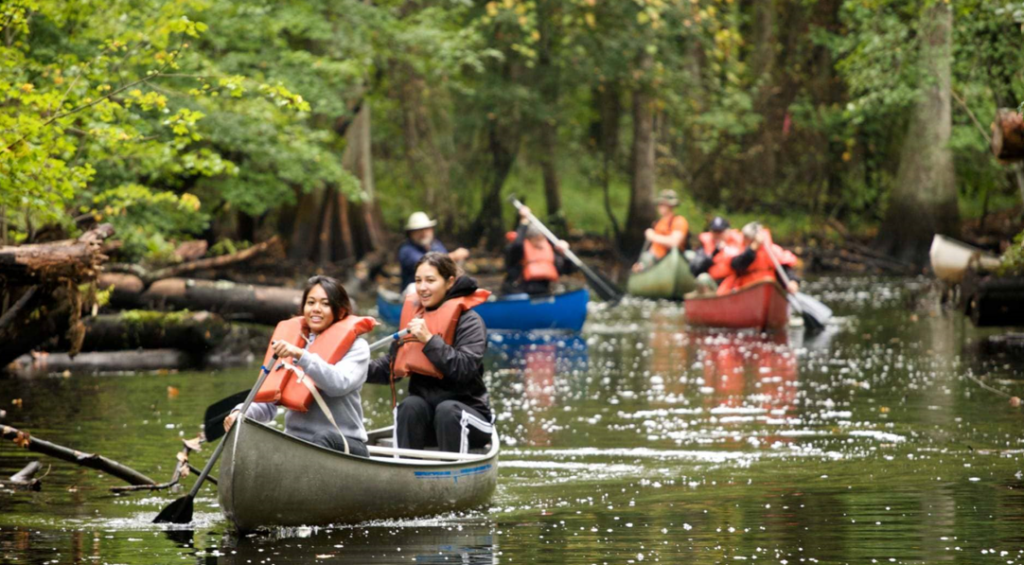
[
  {"x": 815, "y": 313},
  {"x": 213, "y": 420},
  {"x": 177, "y": 512}
]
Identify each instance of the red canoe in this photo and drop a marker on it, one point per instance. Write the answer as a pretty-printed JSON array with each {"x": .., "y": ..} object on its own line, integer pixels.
[{"x": 759, "y": 306}]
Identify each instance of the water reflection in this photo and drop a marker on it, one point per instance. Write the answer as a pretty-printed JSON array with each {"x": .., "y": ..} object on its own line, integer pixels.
[{"x": 428, "y": 541}]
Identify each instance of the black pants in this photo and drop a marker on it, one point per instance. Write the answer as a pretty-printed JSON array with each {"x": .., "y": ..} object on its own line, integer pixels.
[
  {"x": 332, "y": 440},
  {"x": 420, "y": 426}
]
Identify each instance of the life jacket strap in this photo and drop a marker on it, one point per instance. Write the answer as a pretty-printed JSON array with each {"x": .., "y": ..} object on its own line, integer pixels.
[{"x": 309, "y": 384}]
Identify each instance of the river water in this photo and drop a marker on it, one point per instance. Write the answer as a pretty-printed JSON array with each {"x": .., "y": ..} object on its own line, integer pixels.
[{"x": 637, "y": 441}]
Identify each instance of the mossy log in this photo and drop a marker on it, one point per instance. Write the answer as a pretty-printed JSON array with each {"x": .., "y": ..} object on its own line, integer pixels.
[{"x": 195, "y": 332}]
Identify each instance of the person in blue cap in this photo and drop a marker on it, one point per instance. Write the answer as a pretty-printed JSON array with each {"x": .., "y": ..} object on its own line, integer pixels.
[{"x": 719, "y": 238}]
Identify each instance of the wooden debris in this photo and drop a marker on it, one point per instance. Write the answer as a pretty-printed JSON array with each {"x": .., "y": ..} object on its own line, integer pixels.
[
  {"x": 1008, "y": 135},
  {"x": 25, "y": 478},
  {"x": 42, "y": 363},
  {"x": 74, "y": 259},
  {"x": 25, "y": 440}
]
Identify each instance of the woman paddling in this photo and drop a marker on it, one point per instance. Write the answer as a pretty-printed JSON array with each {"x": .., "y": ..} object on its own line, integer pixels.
[
  {"x": 443, "y": 358},
  {"x": 324, "y": 345}
]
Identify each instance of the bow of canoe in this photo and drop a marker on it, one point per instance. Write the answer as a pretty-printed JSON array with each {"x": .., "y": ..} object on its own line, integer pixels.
[
  {"x": 669, "y": 278},
  {"x": 760, "y": 306},
  {"x": 268, "y": 478}
]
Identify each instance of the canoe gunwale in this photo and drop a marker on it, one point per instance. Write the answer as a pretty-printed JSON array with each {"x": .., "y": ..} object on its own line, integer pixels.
[
  {"x": 495, "y": 448},
  {"x": 561, "y": 311}
]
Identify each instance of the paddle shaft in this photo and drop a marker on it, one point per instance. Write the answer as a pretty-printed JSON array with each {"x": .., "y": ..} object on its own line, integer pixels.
[
  {"x": 785, "y": 279},
  {"x": 596, "y": 280},
  {"x": 264, "y": 371}
]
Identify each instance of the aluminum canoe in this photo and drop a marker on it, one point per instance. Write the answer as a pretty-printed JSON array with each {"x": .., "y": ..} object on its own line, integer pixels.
[{"x": 268, "y": 479}]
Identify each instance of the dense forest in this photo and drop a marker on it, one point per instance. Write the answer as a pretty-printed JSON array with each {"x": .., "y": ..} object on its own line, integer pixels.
[{"x": 328, "y": 122}]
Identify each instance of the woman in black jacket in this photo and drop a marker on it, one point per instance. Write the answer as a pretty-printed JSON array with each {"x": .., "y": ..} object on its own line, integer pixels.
[{"x": 443, "y": 357}]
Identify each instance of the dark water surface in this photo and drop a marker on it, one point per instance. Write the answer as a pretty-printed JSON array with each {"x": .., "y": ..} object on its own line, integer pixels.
[{"x": 637, "y": 441}]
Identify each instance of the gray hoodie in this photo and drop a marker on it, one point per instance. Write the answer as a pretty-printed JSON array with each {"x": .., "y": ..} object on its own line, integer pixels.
[{"x": 339, "y": 384}]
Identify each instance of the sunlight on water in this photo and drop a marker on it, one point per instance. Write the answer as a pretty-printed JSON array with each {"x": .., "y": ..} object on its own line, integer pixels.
[{"x": 638, "y": 441}]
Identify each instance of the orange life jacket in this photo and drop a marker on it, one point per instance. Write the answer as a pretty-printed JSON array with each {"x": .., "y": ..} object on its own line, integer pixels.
[
  {"x": 539, "y": 262},
  {"x": 665, "y": 226},
  {"x": 732, "y": 237},
  {"x": 282, "y": 385},
  {"x": 721, "y": 266},
  {"x": 762, "y": 269},
  {"x": 440, "y": 321}
]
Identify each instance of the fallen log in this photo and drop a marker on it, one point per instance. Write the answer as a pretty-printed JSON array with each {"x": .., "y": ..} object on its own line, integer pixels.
[
  {"x": 75, "y": 259},
  {"x": 25, "y": 478},
  {"x": 1008, "y": 135},
  {"x": 41, "y": 283},
  {"x": 98, "y": 462},
  {"x": 195, "y": 332},
  {"x": 147, "y": 276},
  {"x": 42, "y": 363},
  {"x": 261, "y": 304},
  {"x": 181, "y": 470}
]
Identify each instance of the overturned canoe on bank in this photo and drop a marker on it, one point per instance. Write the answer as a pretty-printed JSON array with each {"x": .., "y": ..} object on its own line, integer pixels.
[
  {"x": 760, "y": 306},
  {"x": 268, "y": 478},
  {"x": 951, "y": 258},
  {"x": 667, "y": 279},
  {"x": 519, "y": 312}
]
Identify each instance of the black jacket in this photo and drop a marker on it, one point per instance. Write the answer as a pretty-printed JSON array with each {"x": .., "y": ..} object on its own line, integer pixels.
[
  {"x": 514, "y": 282},
  {"x": 741, "y": 262},
  {"x": 461, "y": 363}
]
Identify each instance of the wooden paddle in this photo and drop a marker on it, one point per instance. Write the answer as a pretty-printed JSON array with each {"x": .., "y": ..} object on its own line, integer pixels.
[
  {"x": 180, "y": 511},
  {"x": 213, "y": 419},
  {"x": 814, "y": 312},
  {"x": 604, "y": 288}
]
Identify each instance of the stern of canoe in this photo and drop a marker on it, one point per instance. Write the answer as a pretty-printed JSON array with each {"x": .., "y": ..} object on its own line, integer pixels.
[{"x": 661, "y": 280}]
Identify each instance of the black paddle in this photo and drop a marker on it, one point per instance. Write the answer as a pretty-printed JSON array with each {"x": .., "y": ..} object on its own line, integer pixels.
[
  {"x": 213, "y": 419},
  {"x": 814, "y": 312},
  {"x": 180, "y": 511},
  {"x": 604, "y": 288}
]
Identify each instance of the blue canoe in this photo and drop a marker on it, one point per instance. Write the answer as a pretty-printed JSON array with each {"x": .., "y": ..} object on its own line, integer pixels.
[{"x": 565, "y": 311}]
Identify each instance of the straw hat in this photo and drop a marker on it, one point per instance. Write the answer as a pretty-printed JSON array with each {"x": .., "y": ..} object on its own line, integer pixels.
[
  {"x": 419, "y": 221},
  {"x": 668, "y": 196}
]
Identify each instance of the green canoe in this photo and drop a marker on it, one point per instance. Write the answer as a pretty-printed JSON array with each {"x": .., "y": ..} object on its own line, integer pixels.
[{"x": 669, "y": 278}]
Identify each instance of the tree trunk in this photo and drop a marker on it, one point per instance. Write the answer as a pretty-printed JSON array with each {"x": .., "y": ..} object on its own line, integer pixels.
[
  {"x": 308, "y": 217},
  {"x": 429, "y": 169},
  {"x": 358, "y": 160},
  {"x": 92, "y": 461},
  {"x": 924, "y": 199},
  {"x": 641, "y": 202},
  {"x": 503, "y": 145},
  {"x": 548, "y": 77},
  {"x": 75, "y": 259}
]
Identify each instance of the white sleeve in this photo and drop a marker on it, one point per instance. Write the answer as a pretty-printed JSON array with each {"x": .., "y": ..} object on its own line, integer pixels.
[
  {"x": 260, "y": 411},
  {"x": 343, "y": 377}
]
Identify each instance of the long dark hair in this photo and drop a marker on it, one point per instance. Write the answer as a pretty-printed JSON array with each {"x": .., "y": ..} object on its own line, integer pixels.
[
  {"x": 337, "y": 296},
  {"x": 440, "y": 261}
]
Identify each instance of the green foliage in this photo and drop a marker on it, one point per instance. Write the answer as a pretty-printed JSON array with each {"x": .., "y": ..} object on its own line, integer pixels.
[{"x": 1013, "y": 259}]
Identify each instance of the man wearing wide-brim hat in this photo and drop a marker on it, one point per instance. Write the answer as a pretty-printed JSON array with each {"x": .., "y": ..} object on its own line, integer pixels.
[
  {"x": 669, "y": 232},
  {"x": 419, "y": 231}
]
